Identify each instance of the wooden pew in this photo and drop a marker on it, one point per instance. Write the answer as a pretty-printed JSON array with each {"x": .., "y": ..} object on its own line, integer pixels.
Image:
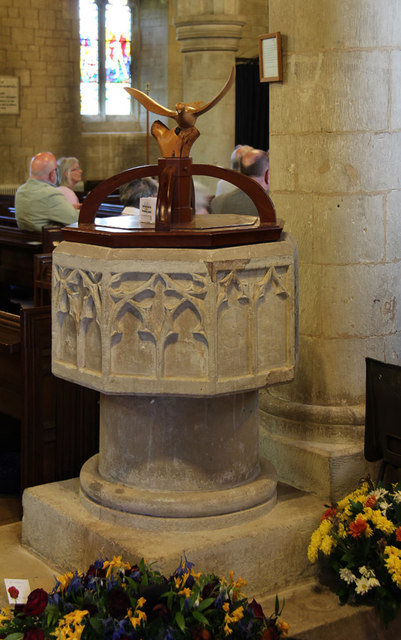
[
  {"x": 59, "y": 420},
  {"x": 17, "y": 249},
  {"x": 6, "y": 201}
]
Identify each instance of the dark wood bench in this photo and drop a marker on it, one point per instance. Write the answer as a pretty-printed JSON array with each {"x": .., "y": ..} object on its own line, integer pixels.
[
  {"x": 59, "y": 420},
  {"x": 17, "y": 249},
  {"x": 6, "y": 201}
]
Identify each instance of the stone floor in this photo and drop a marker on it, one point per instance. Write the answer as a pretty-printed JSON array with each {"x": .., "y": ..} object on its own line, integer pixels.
[{"x": 311, "y": 610}]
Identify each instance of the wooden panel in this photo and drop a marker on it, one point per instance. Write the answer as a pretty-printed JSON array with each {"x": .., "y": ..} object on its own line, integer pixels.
[
  {"x": 60, "y": 428},
  {"x": 77, "y": 410},
  {"x": 38, "y": 437}
]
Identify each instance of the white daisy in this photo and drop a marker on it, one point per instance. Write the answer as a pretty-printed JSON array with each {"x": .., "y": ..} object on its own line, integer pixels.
[
  {"x": 362, "y": 586},
  {"x": 379, "y": 493},
  {"x": 347, "y": 576},
  {"x": 384, "y": 505},
  {"x": 397, "y": 496}
]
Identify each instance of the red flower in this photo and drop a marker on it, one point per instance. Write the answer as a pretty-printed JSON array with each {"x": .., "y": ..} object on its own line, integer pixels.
[
  {"x": 358, "y": 527},
  {"x": 34, "y": 634},
  {"x": 14, "y": 593},
  {"x": 398, "y": 534},
  {"x": 371, "y": 501},
  {"x": 118, "y": 603},
  {"x": 329, "y": 513},
  {"x": 36, "y": 603},
  {"x": 160, "y": 611},
  {"x": 270, "y": 634},
  {"x": 256, "y": 609},
  {"x": 201, "y": 633}
]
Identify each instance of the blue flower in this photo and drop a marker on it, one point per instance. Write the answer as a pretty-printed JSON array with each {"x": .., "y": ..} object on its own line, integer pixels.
[
  {"x": 75, "y": 584},
  {"x": 120, "y": 629},
  {"x": 169, "y": 634},
  {"x": 220, "y": 600},
  {"x": 183, "y": 567}
]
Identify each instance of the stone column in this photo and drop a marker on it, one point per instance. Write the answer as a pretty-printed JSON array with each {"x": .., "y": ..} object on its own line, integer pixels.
[
  {"x": 209, "y": 39},
  {"x": 335, "y": 156}
]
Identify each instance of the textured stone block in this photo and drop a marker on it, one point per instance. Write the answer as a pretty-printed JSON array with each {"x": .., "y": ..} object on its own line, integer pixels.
[
  {"x": 309, "y": 97},
  {"x": 181, "y": 321}
]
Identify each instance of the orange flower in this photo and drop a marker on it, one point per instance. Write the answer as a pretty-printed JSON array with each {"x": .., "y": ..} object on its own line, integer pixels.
[
  {"x": 398, "y": 534},
  {"x": 358, "y": 527},
  {"x": 370, "y": 502},
  {"x": 329, "y": 513}
]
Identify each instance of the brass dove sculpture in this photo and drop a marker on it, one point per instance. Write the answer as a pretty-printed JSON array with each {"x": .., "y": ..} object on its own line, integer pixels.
[{"x": 176, "y": 143}]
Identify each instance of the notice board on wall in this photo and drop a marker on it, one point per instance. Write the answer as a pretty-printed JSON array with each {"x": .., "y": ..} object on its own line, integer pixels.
[{"x": 9, "y": 95}]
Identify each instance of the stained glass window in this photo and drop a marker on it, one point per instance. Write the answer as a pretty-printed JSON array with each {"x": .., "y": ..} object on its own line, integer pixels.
[{"x": 105, "y": 36}]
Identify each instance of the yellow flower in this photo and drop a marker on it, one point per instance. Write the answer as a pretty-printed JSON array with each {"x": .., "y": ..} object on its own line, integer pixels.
[
  {"x": 393, "y": 563},
  {"x": 117, "y": 563},
  {"x": 138, "y": 615},
  {"x": 196, "y": 576},
  {"x": 70, "y": 627},
  {"x": 5, "y": 614},
  {"x": 359, "y": 495},
  {"x": 327, "y": 545},
  {"x": 284, "y": 627},
  {"x": 236, "y": 585},
  {"x": 235, "y": 616},
  {"x": 137, "y": 618},
  {"x": 65, "y": 580},
  {"x": 313, "y": 551},
  {"x": 186, "y": 592},
  {"x": 321, "y": 540},
  {"x": 181, "y": 581},
  {"x": 379, "y": 521}
]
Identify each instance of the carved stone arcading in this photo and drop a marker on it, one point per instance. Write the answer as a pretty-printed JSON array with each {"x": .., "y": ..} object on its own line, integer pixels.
[{"x": 196, "y": 323}]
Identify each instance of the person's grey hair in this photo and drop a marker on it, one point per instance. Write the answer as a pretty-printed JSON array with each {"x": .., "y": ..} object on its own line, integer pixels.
[
  {"x": 132, "y": 192},
  {"x": 255, "y": 163},
  {"x": 64, "y": 166},
  {"x": 237, "y": 154}
]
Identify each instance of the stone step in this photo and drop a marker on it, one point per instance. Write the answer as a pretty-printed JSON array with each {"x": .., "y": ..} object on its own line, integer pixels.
[
  {"x": 314, "y": 613},
  {"x": 266, "y": 549},
  {"x": 312, "y": 610}
]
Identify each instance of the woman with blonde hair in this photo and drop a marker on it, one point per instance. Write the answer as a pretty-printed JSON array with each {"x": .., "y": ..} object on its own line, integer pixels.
[{"x": 69, "y": 174}]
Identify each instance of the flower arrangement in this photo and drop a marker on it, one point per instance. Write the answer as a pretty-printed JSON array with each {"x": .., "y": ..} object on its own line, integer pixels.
[
  {"x": 361, "y": 537},
  {"x": 116, "y": 601}
]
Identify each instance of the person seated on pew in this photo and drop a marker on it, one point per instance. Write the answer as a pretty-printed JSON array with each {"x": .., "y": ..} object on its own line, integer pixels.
[
  {"x": 235, "y": 164},
  {"x": 132, "y": 192},
  {"x": 255, "y": 164},
  {"x": 69, "y": 174},
  {"x": 38, "y": 202}
]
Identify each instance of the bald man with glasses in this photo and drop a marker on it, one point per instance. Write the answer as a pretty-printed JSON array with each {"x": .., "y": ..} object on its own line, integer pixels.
[{"x": 38, "y": 202}]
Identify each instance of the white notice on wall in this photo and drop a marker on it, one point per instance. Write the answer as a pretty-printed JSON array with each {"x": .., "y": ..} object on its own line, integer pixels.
[
  {"x": 17, "y": 585},
  {"x": 270, "y": 59},
  {"x": 9, "y": 95}
]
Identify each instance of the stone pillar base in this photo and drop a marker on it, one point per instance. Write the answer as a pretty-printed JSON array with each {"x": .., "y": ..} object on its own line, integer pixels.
[
  {"x": 266, "y": 549},
  {"x": 122, "y": 505},
  {"x": 315, "y": 449}
]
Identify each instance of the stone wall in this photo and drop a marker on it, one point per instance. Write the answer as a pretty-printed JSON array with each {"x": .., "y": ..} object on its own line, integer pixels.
[
  {"x": 335, "y": 180},
  {"x": 257, "y": 23},
  {"x": 39, "y": 44}
]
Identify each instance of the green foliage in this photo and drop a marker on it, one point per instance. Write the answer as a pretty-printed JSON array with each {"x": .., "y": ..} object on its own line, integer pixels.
[
  {"x": 361, "y": 537},
  {"x": 114, "y": 600}
]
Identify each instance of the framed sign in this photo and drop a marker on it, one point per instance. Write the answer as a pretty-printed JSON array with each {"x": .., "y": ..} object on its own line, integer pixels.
[
  {"x": 9, "y": 95},
  {"x": 270, "y": 64}
]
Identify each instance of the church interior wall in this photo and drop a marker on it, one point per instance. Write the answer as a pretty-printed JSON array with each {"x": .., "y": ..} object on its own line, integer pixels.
[{"x": 40, "y": 46}]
